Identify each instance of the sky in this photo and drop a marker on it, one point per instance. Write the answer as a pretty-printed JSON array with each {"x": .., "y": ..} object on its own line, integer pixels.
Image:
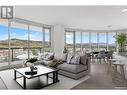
[
  {"x": 21, "y": 34},
  {"x": 37, "y": 36}
]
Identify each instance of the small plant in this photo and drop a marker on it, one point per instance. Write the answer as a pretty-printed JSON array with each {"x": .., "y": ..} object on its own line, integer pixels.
[
  {"x": 121, "y": 40},
  {"x": 65, "y": 50}
]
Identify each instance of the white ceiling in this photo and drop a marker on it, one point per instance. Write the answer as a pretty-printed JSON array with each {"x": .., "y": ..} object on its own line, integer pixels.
[{"x": 80, "y": 17}]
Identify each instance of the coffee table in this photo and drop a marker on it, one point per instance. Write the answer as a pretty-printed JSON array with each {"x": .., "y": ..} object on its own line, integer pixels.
[{"x": 41, "y": 71}]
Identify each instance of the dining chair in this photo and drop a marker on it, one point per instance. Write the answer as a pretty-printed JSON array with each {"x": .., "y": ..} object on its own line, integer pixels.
[{"x": 101, "y": 55}]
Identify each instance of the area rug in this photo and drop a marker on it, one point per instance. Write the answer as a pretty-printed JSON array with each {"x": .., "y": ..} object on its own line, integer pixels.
[{"x": 65, "y": 82}]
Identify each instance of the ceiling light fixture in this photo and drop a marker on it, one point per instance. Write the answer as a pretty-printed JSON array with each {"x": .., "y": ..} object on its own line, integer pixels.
[
  {"x": 124, "y": 10},
  {"x": 109, "y": 26}
]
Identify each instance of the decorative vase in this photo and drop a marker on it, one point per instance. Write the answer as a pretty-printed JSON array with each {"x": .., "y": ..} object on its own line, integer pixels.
[{"x": 32, "y": 68}]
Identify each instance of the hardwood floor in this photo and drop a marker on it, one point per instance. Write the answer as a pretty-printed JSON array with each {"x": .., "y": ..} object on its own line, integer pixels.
[{"x": 99, "y": 79}]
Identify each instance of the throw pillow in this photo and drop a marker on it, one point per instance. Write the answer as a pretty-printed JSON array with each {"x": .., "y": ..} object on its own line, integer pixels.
[
  {"x": 75, "y": 60},
  {"x": 40, "y": 56},
  {"x": 69, "y": 57},
  {"x": 49, "y": 56}
]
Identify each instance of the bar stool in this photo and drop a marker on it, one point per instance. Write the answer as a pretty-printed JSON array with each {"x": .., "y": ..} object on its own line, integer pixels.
[
  {"x": 118, "y": 77},
  {"x": 111, "y": 61}
]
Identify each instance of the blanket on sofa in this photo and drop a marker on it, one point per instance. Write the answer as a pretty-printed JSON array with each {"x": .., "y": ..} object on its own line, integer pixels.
[{"x": 55, "y": 63}]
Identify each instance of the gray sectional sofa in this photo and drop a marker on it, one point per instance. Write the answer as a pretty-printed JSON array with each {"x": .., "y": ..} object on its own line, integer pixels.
[{"x": 74, "y": 71}]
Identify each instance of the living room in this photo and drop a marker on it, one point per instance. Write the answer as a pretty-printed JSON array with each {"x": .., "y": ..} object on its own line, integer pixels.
[{"x": 64, "y": 47}]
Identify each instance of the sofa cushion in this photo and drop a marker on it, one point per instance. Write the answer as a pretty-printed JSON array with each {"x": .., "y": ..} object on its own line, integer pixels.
[{"x": 72, "y": 68}]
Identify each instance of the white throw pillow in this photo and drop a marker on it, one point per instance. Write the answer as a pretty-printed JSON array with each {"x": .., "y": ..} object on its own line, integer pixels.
[
  {"x": 75, "y": 60},
  {"x": 40, "y": 56},
  {"x": 69, "y": 57}
]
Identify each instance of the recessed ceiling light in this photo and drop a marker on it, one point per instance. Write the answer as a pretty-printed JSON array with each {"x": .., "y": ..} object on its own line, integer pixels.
[
  {"x": 124, "y": 10},
  {"x": 109, "y": 26}
]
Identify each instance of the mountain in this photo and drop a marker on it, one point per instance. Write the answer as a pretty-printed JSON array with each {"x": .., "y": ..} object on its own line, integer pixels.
[
  {"x": 93, "y": 44},
  {"x": 18, "y": 43}
]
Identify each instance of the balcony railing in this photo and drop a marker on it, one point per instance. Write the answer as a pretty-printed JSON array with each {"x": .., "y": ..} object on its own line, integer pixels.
[{"x": 20, "y": 53}]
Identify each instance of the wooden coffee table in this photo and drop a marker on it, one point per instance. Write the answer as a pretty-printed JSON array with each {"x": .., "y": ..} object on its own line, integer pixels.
[{"x": 41, "y": 71}]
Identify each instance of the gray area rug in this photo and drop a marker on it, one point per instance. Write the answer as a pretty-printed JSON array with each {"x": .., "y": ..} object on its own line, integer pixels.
[{"x": 65, "y": 82}]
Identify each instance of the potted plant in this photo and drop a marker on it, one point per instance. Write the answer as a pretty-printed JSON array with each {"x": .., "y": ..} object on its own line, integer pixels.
[
  {"x": 65, "y": 50},
  {"x": 30, "y": 63},
  {"x": 121, "y": 40}
]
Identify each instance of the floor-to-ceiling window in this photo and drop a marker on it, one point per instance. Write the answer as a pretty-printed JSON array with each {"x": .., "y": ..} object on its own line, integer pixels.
[
  {"x": 20, "y": 41},
  {"x": 47, "y": 39},
  {"x": 111, "y": 41},
  {"x": 78, "y": 41},
  {"x": 85, "y": 41},
  {"x": 4, "y": 51},
  {"x": 70, "y": 41},
  {"x": 35, "y": 40},
  {"x": 94, "y": 41},
  {"x": 102, "y": 41}
]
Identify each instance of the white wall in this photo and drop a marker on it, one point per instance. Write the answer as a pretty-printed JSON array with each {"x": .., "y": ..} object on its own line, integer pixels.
[{"x": 58, "y": 38}]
